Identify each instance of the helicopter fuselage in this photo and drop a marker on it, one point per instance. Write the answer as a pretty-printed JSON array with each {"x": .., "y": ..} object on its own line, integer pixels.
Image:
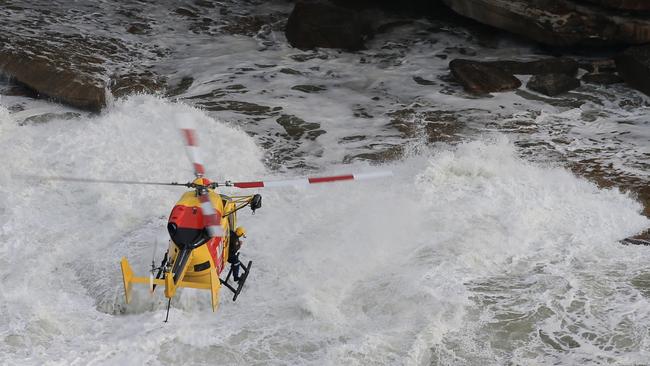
[{"x": 187, "y": 229}]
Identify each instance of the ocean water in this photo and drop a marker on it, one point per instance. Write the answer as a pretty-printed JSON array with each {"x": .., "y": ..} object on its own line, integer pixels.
[
  {"x": 483, "y": 248},
  {"x": 468, "y": 254}
]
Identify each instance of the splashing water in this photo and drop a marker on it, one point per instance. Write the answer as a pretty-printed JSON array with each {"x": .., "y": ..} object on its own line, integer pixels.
[{"x": 469, "y": 254}]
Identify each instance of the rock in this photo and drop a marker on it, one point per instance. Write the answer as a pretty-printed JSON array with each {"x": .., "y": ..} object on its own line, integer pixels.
[
  {"x": 639, "y": 239},
  {"x": 204, "y": 3},
  {"x": 422, "y": 81},
  {"x": 137, "y": 83},
  {"x": 548, "y": 66},
  {"x": 309, "y": 88},
  {"x": 634, "y": 67},
  {"x": 599, "y": 66},
  {"x": 479, "y": 78},
  {"x": 296, "y": 127},
  {"x": 46, "y": 117},
  {"x": 321, "y": 24},
  {"x": 602, "y": 78},
  {"x": 181, "y": 87},
  {"x": 55, "y": 78},
  {"x": 560, "y": 22},
  {"x": 247, "y": 108},
  {"x": 624, "y": 4},
  {"x": 139, "y": 28},
  {"x": 186, "y": 13},
  {"x": 552, "y": 84}
]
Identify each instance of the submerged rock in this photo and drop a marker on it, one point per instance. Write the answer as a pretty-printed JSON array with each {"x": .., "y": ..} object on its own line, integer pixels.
[
  {"x": 479, "y": 78},
  {"x": 309, "y": 88},
  {"x": 552, "y": 84},
  {"x": 296, "y": 127},
  {"x": 137, "y": 83},
  {"x": 46, "y": 117},
  {"x": 321, "y": 24},
  {"x": 634, "y": 67}
]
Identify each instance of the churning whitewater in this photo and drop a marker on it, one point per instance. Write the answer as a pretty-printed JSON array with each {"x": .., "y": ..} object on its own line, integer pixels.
[{"x": 468, "y": 255}]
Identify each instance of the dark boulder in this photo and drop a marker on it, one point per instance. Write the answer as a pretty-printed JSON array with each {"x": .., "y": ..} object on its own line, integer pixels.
[
  {"x": 560, "y": 22},
  {"x": 55, "y": 78},
  {"x": 321, "y": 24},
  {"x": 552, "y": 84},
  {"x": 633, "y": 65},
  {"x": 562, "y": 65},
  {"x": 602, "y": 78},
  {"x": 623, "y": 4},
  {"x": 479, "y": 78}
]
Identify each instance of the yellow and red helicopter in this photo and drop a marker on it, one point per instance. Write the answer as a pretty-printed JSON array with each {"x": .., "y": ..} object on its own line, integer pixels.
[{"x": 201, "y": 226}]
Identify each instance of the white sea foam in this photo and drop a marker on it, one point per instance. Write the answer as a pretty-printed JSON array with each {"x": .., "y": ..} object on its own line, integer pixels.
[{"x": 425, "y": 267}]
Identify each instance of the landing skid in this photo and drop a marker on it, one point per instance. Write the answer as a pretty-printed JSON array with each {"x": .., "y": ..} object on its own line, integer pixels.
[{"x": 240, "y": 283}]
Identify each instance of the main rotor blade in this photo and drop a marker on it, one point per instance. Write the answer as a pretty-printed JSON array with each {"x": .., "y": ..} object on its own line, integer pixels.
[
  {"x": 312, "y": 180},
  {"x": 89, "y": 180},
  {"x": 211, "y": 219},
  {"x": 191, "y": 141}
]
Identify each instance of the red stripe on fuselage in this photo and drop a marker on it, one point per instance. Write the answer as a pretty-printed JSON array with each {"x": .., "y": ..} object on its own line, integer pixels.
[
  {"x": 213, "y": 245},
  {"x": 331, "y": 179}
]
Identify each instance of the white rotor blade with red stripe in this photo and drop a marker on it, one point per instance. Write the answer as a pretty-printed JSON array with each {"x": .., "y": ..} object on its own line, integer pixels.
[
  {"x": 211, "y": 218},
  {"x": 190, "y": 137},
  {"x": 312, "y": 180}
]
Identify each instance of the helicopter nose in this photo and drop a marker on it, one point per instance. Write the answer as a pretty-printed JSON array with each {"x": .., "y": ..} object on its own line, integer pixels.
[{"x": 172, "y": 228}]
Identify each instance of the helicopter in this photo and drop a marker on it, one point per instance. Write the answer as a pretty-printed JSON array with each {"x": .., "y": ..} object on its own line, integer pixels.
[{"x": 200, "y": 227}]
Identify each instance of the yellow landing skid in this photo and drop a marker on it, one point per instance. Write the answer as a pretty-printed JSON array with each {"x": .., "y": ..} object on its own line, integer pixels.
[{"x": 170, "y": 288}]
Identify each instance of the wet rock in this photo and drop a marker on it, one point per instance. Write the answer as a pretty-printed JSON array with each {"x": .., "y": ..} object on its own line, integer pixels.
[
  {"x": 302, "y": 57},
  {"x": 186, "y": 12},
  {"x": 309, "y": 88},
  {"x": 204, "y": 3},
  {"x": 633, "y": 65},
  {"x": 296, "y": 127},
  {"x": 321, "y": 24},
  {"x": 552, "y": 84},
  {"x": 137, "y": 83},
  {"x": 623, "y": 4},
  {"x": 422, "y": 81},
  {"x": 290, "y": 71},
  {"x": 46, "y": 117},
  {"x": 602, "y": 78},
  {"x": 181, "y": 87},
  {"x": 139, "y": 28},
  {"x": 639, "y": 239},
  {"x": 16, "y": 108},
  {"x": 478, "y": 78},
  {"x": 56, "y": 78},
  {"x": 382, "y": 153},
  {"x": 599, "y": 66},
  {"x": 559, "y": 22},
  {"x": 548, "y": 66},
  {"x": 387, "y": 27},
  {"x": 247, "y": 108},
  {"x": 252, "y": 25}
]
